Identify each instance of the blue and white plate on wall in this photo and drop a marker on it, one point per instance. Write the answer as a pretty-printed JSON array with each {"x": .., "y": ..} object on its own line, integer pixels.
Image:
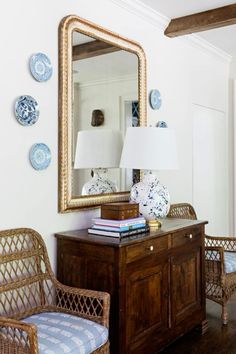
[
  {"x": 26, "y": 110},
  {"x": 40, "y": 156},
  {"x": 40, "y": 67},
  {"x": 155, "y": 99}
]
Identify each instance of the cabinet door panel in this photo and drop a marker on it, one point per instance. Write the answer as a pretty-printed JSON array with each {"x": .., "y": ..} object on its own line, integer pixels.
[
  {"x": 185, "y": 284},
  {"x": 147, "y": 302},
  {"x": 100, "y": 276},
  {"x": 73, "y": 270}
]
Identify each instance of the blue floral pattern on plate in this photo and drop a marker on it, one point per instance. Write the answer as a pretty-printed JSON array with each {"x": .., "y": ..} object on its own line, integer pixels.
[
  {"x": 155, "y": 99},
  {"x": 40, "y": 156},
  {"x": 26, "y": 110},
  {"x": 161, "y": 124},
  {"x": 40, "y": 67}
]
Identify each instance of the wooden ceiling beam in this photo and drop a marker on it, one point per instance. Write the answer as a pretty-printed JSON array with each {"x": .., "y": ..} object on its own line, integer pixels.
[
  {"x": 92, "y": 49},
  {"x": 202, "y": 21}
]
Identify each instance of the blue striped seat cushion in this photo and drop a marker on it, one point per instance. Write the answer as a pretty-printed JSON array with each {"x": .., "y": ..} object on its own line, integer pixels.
[
  {"x": 60, "y": 333},
  {"x": 230, "y": 262}
]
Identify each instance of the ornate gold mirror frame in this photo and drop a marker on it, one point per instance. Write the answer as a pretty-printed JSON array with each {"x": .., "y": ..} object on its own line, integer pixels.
[{"x": 68, "y": 202}]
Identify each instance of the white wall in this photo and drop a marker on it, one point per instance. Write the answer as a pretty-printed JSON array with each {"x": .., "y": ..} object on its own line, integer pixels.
[
  {"x": 232, "y": 145},
  {"x": 182, "y": 72},
  {"x": 210, "y": 177}
]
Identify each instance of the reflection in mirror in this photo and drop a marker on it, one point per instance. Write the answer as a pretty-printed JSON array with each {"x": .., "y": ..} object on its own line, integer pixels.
[
  {"x": 98, "y": 150},
  {"x": 105, "y": 98}
]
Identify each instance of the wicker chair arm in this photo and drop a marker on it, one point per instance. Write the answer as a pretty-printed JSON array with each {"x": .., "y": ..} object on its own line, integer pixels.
[
  {"x": 228, "y": 243},
  {"x": 91, "y": 304},
  {"x": 214, "y": 262},
  {"x": 17, "y": 337}
]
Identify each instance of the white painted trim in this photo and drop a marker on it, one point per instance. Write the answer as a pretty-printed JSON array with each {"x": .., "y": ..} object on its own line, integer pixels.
[
  {"x": 110, "y": 80},
  {"x": 125, "y": 174},
  {"x": 233, "y": 61},
  {"x": 148, "y": 14},
  {"x": 208, "y": 107},
  {"x": 234, "y": 150},
  {"x": 138, "y": 8},
  {"x": 201, "y": 43}
]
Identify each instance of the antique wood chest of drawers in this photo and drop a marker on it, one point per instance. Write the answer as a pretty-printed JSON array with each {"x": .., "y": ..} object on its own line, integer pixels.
[{"x": 156, "y": 281}]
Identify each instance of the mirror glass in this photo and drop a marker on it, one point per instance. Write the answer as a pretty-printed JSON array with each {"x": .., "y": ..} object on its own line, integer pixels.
[
  {"x": 102, "y": 91},
  {"x": 105, "y": 96}
]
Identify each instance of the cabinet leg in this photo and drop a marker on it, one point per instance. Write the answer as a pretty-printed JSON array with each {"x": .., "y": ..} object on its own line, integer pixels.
[
  {"x": 202, "y": 327},
  {"x": 224, "y": 314}
]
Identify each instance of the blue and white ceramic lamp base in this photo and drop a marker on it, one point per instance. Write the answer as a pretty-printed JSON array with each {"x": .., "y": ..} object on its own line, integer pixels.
[
  {"x": 99, "y": 184},
  {"x": 153, "y": 198}
]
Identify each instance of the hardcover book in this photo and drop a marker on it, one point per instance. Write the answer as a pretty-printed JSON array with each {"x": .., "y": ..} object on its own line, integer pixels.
[
  {"x": 117, "y": 233},
  {"x": 119, "y": 229},
  {"x": 119, "y": 223}
]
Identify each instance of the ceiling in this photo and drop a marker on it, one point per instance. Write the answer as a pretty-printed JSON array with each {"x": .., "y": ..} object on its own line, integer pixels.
[
  {"x": 112, "y": 66},
  {"x": 222, "y": 38}
]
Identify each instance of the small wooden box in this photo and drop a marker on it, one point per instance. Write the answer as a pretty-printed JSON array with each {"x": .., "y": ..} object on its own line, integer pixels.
[{"x": 119, "y": 211}]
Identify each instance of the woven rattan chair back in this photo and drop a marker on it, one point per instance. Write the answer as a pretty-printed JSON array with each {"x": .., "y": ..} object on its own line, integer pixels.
[
  {"x": 25, "y": 274},
  {"x": 220, "y": 286},
  {"x": 182, "y": 211}
]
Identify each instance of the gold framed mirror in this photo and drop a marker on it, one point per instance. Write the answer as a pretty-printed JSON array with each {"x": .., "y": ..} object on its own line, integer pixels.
[{"x": 102, "y": 87}]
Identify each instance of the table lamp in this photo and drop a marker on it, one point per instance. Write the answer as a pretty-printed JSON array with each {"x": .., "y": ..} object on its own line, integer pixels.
[
  {"x": 98, "y": 150},
  {"x": 150, "y": 148}
]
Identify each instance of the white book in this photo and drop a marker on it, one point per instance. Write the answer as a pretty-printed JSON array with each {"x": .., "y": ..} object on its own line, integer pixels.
[{"x": 119, "y": 223}]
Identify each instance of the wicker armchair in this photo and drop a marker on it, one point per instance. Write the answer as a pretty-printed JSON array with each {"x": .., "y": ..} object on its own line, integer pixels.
[
  {"x": 29, "y": 288},
  {"x": 220, "y": 261}
]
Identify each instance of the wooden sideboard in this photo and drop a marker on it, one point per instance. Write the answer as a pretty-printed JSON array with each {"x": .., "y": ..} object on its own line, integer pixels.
[{"x": 156, "y": 281}]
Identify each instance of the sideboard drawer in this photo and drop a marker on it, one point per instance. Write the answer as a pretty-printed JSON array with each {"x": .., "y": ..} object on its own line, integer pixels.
[
  {"x": 185, "y": 237},
  {"x": 140, "y": 250}
]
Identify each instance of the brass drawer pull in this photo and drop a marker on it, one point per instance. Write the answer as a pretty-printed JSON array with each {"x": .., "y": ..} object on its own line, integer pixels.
[
  {"x": 190, "y": 236},
  {"x": 150, "y": 248}
]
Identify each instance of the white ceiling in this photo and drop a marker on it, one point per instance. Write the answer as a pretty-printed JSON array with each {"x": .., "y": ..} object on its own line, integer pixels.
[
  {"x": 79, "y": 38},
  {"x": 222, "y": 38},
  {"x": 110, "y": 66}
]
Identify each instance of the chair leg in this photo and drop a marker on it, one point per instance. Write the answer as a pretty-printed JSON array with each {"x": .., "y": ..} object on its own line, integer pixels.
[{"x": 224, "y": 314}]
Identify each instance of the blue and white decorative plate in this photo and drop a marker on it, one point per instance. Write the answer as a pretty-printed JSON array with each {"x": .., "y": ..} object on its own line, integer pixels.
[
  {"x": 161, "y": 124},
  {"x": 155, "y": 99},
  {"x": 40, "y": 156},
  {"x": 26, "y": 110},
  {"x": 40, "y": 67}
]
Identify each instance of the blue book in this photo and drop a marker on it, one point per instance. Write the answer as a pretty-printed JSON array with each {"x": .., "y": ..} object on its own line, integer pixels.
[{"x": 119, "y": 229}]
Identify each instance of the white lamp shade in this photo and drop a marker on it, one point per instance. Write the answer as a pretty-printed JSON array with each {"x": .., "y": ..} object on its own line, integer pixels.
[
  {"x": 149, "y": 148},
  {"x": 98, "y": 148}
]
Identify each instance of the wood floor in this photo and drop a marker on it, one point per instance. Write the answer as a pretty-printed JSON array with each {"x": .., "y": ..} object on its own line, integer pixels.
[{"x": 218, "y": 340}]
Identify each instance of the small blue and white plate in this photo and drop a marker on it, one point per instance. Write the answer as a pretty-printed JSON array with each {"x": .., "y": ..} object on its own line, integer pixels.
[
  {"x": 40, "y": 156},
  {"x": 155, "y": 99},
  {"x": 40, "y": 67},
  {"x": 26, "y": 110},
  {"x": 161, "y": 124}
]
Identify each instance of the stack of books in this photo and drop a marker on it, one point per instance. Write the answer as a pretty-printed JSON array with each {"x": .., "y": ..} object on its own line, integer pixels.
[{"x": 118, "y": 228}]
